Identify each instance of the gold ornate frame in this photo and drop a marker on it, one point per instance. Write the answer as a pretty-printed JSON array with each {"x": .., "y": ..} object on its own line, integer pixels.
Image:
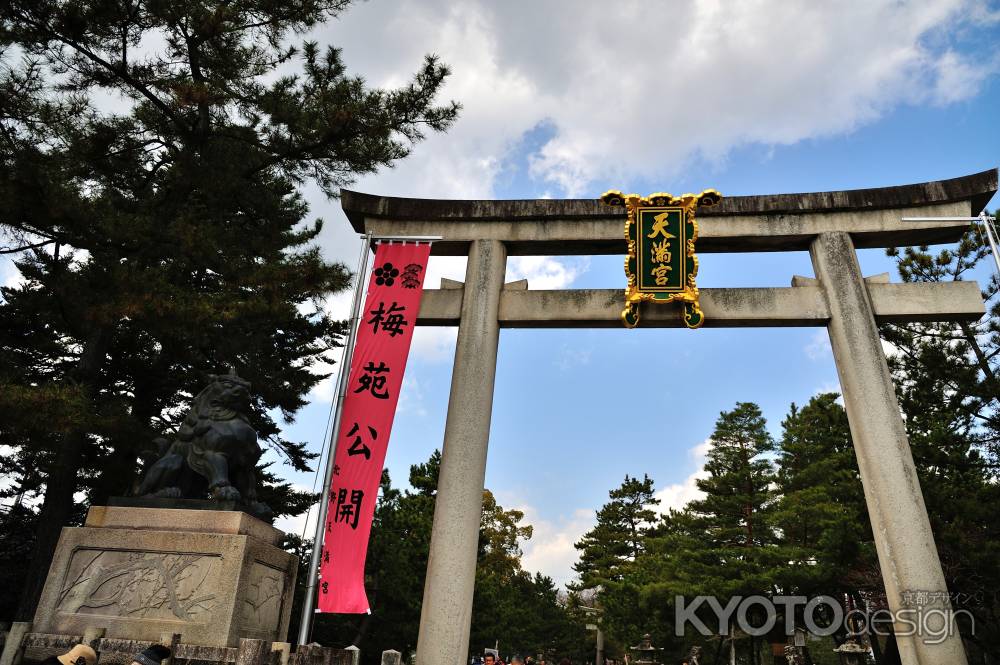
[{"x": 693, "y": 316}]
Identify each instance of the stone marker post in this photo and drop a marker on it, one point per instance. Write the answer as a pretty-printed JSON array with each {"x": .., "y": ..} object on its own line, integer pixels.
[
  {"x": 284, "y": 651},
  {"x": 391, "y": 657},
  {"x": 12, "y": 651},
  {"x": 253, "y": 652},
  {"x": 451, "y": 567},
  {"x": 903, "y": 538},
  {"x": 93, "y": 634}
]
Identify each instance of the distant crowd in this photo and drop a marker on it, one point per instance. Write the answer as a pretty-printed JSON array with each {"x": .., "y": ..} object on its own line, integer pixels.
[{"x": 492, "y": 659}]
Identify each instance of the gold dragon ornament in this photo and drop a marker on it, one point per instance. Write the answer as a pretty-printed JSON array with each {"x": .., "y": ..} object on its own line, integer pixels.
[{"x": 661, "y": 264}]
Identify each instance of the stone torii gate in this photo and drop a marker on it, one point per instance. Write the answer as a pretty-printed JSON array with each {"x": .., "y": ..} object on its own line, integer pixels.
[{"x": 830, "y": 225}]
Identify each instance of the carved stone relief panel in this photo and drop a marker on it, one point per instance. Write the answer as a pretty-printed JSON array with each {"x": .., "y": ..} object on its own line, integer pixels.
[
  {"x": 262, "y": 597},
  {"x": 141, "y": 585}
]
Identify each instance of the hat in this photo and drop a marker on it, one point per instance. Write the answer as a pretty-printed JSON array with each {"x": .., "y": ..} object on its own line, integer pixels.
[
  {"x": 154, "y": 655},
  {"x": 81, "y": 654}
]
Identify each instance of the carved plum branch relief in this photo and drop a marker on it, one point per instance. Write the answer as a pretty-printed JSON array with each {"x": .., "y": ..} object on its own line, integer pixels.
[{"x": 147, "y": 585}]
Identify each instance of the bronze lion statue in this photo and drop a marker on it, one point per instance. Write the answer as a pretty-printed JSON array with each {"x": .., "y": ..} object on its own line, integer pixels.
[{"x": 214, "y": 453}]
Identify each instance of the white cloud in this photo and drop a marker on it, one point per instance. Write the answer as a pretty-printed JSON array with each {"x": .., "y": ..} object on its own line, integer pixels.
[
  {"x": 301, "y": 525},
  {"x": 819, "y": 347},
  {"x": 550, "y": 550},
  {"x": 570, "y": 357},
  {"x": 9, "y": 275},
  {"x": 611, "y": 99},
  {"x": 546, "y": 272},
  {"x": 437, "y": 344},
  {"x": 678, "y": 495},
  {"x": 339, "y": 307},
  {"x": 643, "y": 89},
  {"x": 830, "y": 387},
  {"x": 889, "y": 349},
  {"x": 411, "y": 397}
]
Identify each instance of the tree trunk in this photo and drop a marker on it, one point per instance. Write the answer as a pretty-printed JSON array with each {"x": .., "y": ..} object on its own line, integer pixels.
[
  {"x": 60, "y": 486},
  {"x": 119, "y": 472},
  {"x": 891, "y": 654},
  {"x": 718, "y": 652}
]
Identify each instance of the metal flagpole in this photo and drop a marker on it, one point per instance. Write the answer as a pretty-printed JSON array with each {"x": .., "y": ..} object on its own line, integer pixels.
[
  {"x": 991, "y": 234},
  {"x": 985, "y": 220},
  {"x": 305, "y": 624}
]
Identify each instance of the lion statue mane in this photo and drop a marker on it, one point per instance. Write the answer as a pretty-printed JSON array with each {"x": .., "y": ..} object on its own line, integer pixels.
[{"x": 215, "y": 452}]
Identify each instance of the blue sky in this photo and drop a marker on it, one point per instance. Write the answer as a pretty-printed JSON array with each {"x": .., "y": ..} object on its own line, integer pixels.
[
  {"x": 546, "y": 120},
  {"x": 568, "y": 99}
]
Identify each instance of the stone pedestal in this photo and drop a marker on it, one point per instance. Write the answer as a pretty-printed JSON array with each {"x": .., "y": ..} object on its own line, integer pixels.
[{"x": 211, "y": 576}]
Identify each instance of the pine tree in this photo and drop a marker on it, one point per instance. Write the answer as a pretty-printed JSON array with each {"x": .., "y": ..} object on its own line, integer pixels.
[
  {"x": 725, "y": 546},
  {"x": 161, "y": 236},
  {"x": 821, "y": 514},
  {"x": 619, "y": 535},
  {"x": 737, "y": 489}
]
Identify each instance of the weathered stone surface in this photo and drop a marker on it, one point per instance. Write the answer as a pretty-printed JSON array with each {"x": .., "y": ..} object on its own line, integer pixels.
[
  {"x": 213, "y": 577},
  {"x": 283, "y": 651},
  {"x": 724, "y": 308},
  {"x": 317, "y": 655},
  {"x": 772, "y": 222},
  {"x": 447, "y": 603},
  {"x": 903, "y": 538},
  {"x": 253, "y": 652},
  {"x": 179, "y": 504},
  {"x": 192, "y": 521},
  {"x": 979, "y": 187},
  {"x": 391, "y": 657},
  {"x": 12, "y": 645},
  {"x": 37, "y": 647}
]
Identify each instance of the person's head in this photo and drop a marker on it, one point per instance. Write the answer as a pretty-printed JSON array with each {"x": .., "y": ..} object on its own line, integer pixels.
[
  {"x": 516, "y": 660},
  {"x": 154, "y": 655},
  {"x": 81, "y": 654},
  {"x": 489, "y": 659}
]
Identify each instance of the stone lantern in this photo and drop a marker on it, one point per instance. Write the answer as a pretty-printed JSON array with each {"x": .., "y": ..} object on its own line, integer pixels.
[
  {"x": 645, "y": 652},
  {"x": 853, "y": 651},
  {"x": 794, "y": 655}
]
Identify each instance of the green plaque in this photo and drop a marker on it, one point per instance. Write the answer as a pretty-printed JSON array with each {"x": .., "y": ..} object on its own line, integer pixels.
[
  {"x": 661, "y": 264},
  {"x": 660, "y": 250}
]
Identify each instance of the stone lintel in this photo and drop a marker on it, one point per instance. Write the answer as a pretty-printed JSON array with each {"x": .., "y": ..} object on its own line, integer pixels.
[
  {"x": 798, "y": 306},
  {"x": 778, "y": 222},
  {"x": 518, "y": 285}
]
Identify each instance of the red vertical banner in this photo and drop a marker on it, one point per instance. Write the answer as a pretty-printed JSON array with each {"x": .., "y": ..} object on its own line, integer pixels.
[{"x": 376, "y": 376}]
